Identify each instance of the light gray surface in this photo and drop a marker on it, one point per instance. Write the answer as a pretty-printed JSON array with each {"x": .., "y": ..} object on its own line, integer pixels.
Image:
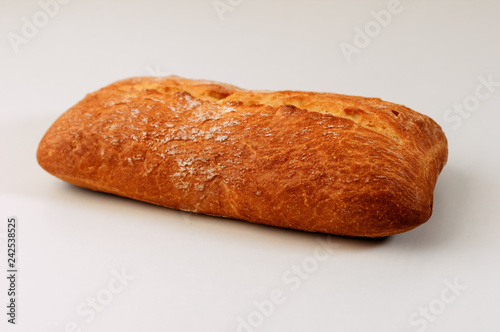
[{"x": 198, "y": 273}]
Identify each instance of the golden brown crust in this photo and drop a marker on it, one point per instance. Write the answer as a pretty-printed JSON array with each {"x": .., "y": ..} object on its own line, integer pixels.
[{"x": 318, "y": 162}]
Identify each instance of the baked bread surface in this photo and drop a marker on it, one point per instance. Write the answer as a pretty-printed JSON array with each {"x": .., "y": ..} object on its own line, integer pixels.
[{"x": 318, "y": 162}]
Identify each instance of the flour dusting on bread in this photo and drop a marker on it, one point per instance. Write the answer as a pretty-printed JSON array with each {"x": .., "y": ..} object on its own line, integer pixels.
[{"x": 318, "y": 162}]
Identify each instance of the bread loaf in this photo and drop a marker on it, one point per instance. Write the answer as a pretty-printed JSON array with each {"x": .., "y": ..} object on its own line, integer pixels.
[{"x": 318, "y": 162}]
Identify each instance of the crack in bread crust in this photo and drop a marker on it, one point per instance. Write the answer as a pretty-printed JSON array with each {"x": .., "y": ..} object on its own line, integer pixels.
[{"x": 319, "y": 162}]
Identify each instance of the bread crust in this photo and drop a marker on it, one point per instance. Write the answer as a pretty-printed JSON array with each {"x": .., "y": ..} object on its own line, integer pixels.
[{"x": 318, "y": 162}]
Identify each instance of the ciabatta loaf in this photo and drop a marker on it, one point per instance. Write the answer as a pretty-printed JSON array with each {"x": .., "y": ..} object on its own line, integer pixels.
[{"x": 318, "y": 162}]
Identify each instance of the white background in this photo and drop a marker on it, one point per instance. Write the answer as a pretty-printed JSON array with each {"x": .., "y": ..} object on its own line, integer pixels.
[{"x": 198, "y": 273}]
